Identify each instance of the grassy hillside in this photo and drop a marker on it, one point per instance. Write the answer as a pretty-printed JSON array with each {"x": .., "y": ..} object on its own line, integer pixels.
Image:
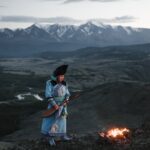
[
  {"x": 13, "y": 84},
  {"x": 115, "y": 82},
  {"x": 13, "y": 113}
]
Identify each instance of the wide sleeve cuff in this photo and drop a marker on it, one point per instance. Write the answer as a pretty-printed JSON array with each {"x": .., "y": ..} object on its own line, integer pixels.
[{"x": 52, "y": 101}]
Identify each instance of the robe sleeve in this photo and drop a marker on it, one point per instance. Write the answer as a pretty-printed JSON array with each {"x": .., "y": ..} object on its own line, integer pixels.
[
  {"x": 67, "y": 93},
  {"x": 48, "y": 93}
]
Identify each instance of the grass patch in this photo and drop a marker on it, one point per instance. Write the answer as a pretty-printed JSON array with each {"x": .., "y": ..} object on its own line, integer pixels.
[{"x": 11, "y": 114}]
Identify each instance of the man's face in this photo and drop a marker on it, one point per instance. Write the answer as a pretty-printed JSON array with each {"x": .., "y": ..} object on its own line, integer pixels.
[{"x": 60, "y": 78}]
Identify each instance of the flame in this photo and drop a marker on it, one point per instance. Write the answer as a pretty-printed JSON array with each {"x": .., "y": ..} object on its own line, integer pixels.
[{"x": 115, "y": 133}]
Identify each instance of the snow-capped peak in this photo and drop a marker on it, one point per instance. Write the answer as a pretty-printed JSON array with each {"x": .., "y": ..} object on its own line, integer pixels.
[
  {"x": 43, "y": 26},
  {"x": 97, "y": 23}
]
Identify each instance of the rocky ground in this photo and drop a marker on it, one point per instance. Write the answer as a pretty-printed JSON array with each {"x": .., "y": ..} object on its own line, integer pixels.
[{"x": 139, "y": 140}]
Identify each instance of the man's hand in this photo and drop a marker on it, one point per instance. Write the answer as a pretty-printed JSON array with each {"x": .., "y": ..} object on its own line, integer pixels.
[
  {"x": 56, "y": 107},
  {"x": 66, "y": 102}
]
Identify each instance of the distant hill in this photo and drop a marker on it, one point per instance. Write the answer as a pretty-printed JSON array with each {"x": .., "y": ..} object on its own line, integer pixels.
[{"x": 121, "y": 52}]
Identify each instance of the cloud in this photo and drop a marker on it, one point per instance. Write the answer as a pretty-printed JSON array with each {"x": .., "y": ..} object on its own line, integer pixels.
[
  {"x": 102, "y": 1},
  {"x": 30, "y": 19},
  {"x": 125, "y": 19},
  {"x": 75, "y": 1},
  {"x": 1, "y": 6},
  {"x": 17, "y": 19},
  {"x": 65, "y": 20},
  {"x": 121, "y": 19}
]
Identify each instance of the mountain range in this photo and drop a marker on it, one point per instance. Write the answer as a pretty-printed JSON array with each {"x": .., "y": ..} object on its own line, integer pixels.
[{"x": 55, "y": 37}]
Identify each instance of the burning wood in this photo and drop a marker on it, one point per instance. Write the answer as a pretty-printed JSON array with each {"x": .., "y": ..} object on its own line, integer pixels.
[{"x": 117, "y": 135}]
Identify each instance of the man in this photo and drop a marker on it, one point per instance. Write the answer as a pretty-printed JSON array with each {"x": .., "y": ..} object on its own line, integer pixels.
[{"x": 56, "y": 92}]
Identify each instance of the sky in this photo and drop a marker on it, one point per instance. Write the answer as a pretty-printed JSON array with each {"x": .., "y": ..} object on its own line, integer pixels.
[{"x": 23, "y": 13}]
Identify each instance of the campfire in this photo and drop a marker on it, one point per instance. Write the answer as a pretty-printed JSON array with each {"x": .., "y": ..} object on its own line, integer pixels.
[{"x": 116, "y": 135}]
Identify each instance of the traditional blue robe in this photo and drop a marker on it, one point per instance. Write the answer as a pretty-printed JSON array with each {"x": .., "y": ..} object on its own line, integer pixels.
[{"x": 55, "y": 125}]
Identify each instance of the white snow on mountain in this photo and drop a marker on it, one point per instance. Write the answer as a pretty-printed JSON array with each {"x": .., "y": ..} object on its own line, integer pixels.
[
  {"x": 60, "y": 30},
  {"x": 127, "y": 30},
  {"x": 96, "y": 23},
  {"x": 91, "y": 31}
]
